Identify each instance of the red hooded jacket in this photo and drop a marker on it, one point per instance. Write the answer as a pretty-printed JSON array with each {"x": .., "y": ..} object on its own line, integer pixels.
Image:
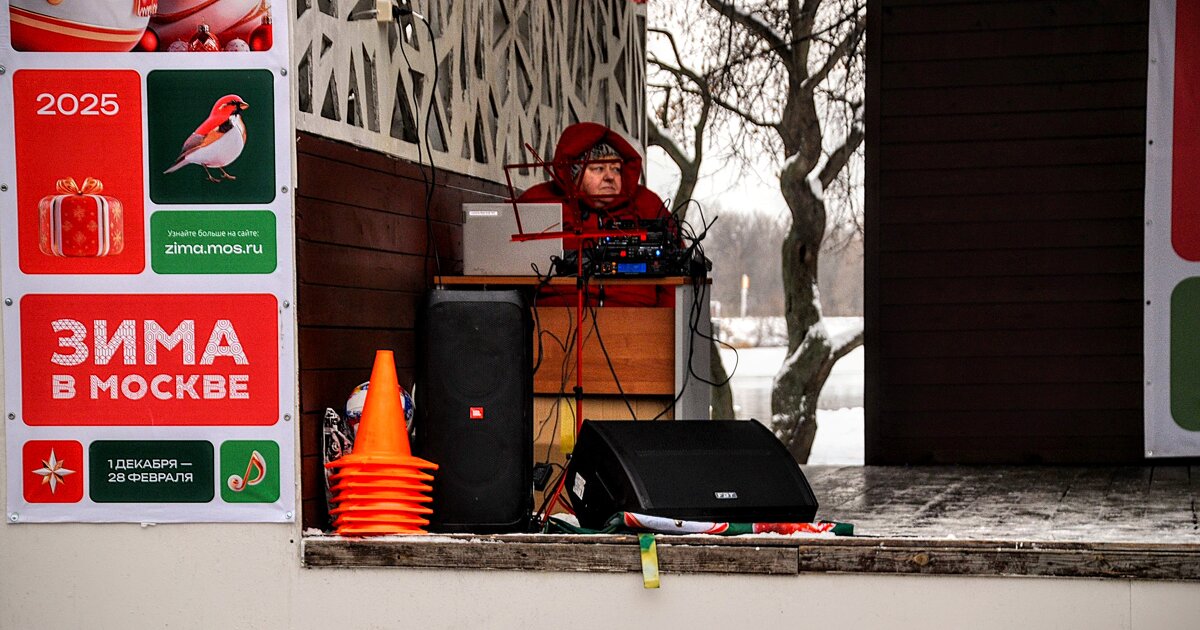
[{"x": 634, "y": 202}]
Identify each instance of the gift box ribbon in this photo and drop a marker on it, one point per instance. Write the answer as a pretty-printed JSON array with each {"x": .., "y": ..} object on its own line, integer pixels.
[{"x": 67, "y": 186}]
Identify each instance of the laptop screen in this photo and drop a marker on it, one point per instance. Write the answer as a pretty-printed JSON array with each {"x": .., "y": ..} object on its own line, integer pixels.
[{"x": 488, "y": 248}]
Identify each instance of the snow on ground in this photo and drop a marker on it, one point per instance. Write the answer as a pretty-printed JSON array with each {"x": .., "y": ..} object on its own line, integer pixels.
[{"x": 840, "y": 416}]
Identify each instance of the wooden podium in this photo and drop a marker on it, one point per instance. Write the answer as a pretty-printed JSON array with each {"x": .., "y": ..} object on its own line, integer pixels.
[{"x": 648, "y": 347}]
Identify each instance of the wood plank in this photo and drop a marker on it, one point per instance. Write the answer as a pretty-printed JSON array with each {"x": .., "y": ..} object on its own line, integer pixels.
[
  {"x": 931, "y": 17},
  {"x": 1019, "y": 125},
  {"x": 351, "y": 267},
  {"x": 309, "y": 144},
  {"x": 1013, "y": 70},
  {"x": 1012, "y": 289},
  {"x": 312, "y": 477},
  {"x": 1012, "y": 205},
  {"x": 1016, "y": 152},
  {"x": 331, "y": 387},
  {"x": 341, "y": 224},
  {"x": 1013, "y": 98},
  {"x": 976, "y": 260},
  {"x": 1043, "y": 344},
  {"x": 1067, "y": 235},
  {"x": 1029, "y": 397},
  {"x": 941, "y": 317},
  {"x": 1020, "y": 448},
  {"x": 356, "y": 307},
  {"x": 609, "y": 554},
  {"x": 1043, "y": 559},
  {"x": 639, "y": 342},
  {"x": 910, "y": 182},
  {"x": 322, "y": 165},
  {"x": 352, "y": 348},
  {"x": 886, "y": 556},
  {"x": 310, "y": 433},
  {"x": 1064, "y": 40},
  {"x": 547, "y": 433},
  {"x": 1016, "y": 370},
  {"x": 1036, "y": 423}
]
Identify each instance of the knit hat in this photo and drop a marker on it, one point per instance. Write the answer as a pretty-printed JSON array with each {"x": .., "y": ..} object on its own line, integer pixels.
[{"x": 601, "y": 151}]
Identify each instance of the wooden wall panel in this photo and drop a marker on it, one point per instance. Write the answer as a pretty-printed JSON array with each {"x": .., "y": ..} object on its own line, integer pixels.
[
  {"x": 363, "y": 266},
  {"x": 1004, "y": 194}
]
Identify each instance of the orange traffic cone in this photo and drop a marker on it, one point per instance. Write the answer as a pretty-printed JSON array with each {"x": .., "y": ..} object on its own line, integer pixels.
[{"x": 380, "y": 485}]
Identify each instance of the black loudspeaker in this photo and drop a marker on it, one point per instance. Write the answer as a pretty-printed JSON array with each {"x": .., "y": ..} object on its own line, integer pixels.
[
  {"x": 699, "y": 470},
  {"x": 474, "y": 409}
]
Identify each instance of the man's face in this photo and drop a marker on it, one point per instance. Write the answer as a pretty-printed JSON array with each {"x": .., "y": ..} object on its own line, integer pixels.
[{"x": 601, "y": 182}]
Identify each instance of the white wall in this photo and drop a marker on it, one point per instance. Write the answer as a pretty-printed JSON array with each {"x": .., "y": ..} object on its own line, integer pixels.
[{"x": 249, "y": 576}]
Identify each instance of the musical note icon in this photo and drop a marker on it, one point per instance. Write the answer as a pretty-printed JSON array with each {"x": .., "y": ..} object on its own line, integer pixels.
[{"x": 257, "y": 465}]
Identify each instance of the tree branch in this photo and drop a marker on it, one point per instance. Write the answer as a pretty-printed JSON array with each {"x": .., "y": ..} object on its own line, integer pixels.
[
  {"x": 839, "y": 156},
  {"x": 656, "y": 136},
  {"x": 844, "y": 49},
  {"x": 776, "y": 43},
  {"x": 844, "y": 343}
]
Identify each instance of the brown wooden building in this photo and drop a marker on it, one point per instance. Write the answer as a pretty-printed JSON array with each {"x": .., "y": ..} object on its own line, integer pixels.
[{"x": 1004, "y": 241}]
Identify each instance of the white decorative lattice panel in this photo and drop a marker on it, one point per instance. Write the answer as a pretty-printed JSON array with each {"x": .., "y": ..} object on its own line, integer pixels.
[{"x": 506, "y": 73}]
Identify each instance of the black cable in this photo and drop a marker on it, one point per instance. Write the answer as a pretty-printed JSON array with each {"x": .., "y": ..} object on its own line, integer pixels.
[
  {"x": 607, "y": 359},
  {"x": 430, "y": 181},
  {"x": 553, "y": 485}
]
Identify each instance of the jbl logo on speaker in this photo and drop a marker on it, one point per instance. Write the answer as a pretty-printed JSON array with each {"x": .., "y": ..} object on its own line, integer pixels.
[{"x": 477, "y": 413}]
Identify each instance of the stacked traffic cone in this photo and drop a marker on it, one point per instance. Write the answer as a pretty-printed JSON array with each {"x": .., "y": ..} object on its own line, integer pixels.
[{"x": 380, "y": 487}]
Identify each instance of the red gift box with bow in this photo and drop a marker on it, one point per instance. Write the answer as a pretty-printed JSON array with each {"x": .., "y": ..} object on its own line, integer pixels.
[{"x": 79, "y": 221}]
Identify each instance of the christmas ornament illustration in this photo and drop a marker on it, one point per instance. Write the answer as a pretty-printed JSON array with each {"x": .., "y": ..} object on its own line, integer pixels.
[
  {"x": 178, "y": 20},
  {"x": 92, "y": 26},
  {"x": 204, "y": 40},
  {"x": 218, "y": 140},
  {"x": 80, "y": 222}
]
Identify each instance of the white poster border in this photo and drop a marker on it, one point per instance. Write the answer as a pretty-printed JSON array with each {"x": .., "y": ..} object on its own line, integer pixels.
[{"x": 281, "y": 284}]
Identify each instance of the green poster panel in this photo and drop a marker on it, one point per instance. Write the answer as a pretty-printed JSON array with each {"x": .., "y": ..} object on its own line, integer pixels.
[
  {"x": 150, "y": 471},
  {"x": 198, "y": 153},
  {"x": 249, "y": 471},
  {"x": 212, "y": 242},
  {"x": 1185, "y": 354}
]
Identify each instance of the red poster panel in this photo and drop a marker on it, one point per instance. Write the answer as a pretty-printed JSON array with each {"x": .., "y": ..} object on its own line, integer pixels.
[
  {"x": 1185, "y": 163},
  {"x": 79, "y": 171},
  {"x": 150, "y": 360}
]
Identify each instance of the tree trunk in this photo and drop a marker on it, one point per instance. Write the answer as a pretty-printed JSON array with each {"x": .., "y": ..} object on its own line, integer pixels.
[
  {"x": 809, "y": 360},
  {"x": 722, "y": 393}
]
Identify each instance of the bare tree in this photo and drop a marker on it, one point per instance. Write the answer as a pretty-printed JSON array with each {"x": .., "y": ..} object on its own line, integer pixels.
[{"x": 783, "y": 77}]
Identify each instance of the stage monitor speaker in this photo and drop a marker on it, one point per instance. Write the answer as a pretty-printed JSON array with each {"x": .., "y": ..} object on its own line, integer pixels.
[
  {"x": 474, "y": 409},
  {"x": 701, "y": 470}
]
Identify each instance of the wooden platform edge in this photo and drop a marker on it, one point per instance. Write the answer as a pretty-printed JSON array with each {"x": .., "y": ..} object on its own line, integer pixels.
[{"x": 761, "y": 555}]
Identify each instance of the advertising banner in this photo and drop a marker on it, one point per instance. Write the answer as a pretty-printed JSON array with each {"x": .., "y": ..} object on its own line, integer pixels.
[
  {"x": 1172, "y": 242},
  {"x": 146, "y": 246}
]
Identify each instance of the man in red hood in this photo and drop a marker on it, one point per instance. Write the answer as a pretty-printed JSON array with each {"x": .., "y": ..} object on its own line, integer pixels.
[{"x": 596, "y": 176}]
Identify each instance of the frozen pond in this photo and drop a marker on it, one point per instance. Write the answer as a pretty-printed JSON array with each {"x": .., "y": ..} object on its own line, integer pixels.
[{"x": 840, "y": 416}]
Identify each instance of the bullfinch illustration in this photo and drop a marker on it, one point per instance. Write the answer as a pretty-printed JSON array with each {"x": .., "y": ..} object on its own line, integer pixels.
[{"x": 218, "y": 140}]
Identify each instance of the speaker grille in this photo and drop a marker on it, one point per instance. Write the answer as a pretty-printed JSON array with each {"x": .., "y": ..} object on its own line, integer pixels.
[{"x": 474, "y": 409}]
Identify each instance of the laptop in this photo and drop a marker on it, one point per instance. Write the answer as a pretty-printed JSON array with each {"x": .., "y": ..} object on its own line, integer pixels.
[{"x": 488, "y": 248}]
